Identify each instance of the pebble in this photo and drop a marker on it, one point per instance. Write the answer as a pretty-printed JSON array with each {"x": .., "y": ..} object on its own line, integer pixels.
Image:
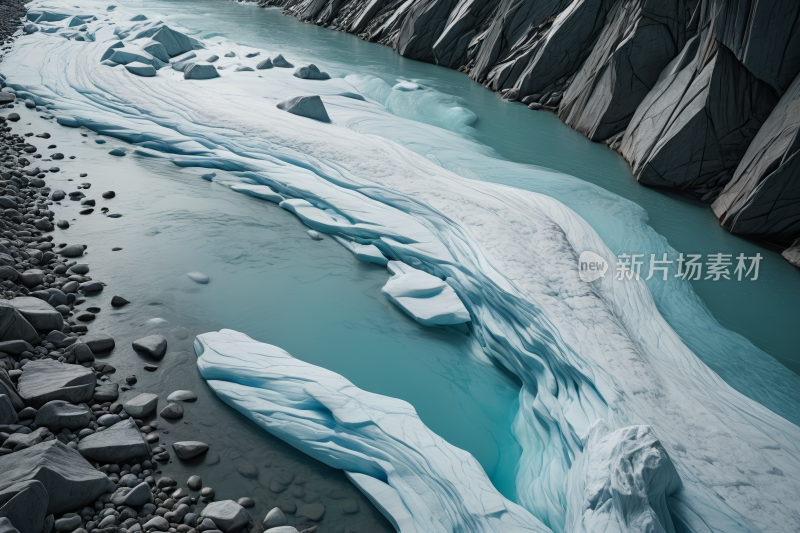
[
  {"x": 194, "y": 483},
  {"x": 116, "y": 249},
  {"x": 207, "y": 493},
  {"x": 63, "y": 224},
  {"x": 86, "y": 211},
  {"x": 246, "y": 502},
  {"x": 151, "y": 368},
  {"x": 172, "y": 411},
  {"x": 119, "y": 301},
  {"x": 109, "y": 194},
  {"x": 131, "y": 380}
]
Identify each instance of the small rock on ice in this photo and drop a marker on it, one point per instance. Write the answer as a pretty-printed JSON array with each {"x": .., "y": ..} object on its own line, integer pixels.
[{"x": 306, "y": 106}]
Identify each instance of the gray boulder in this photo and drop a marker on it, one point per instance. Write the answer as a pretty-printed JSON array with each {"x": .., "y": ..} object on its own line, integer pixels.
[
  {"x": 82, "y": 353},
  {"x": 57, "y": 195},
  {"x": 9, "y": 390},
  {"x": 200, "y": 70},
  {"x": 275, "y": 518},
  {"x": 31, "y": 278},
  {"x": 24, "y": 504},
  {"x": 13, "y": 325},
  {"x": 175, "y": 43},
  {"x": 227, "y": 515},
  {"x": 26, "y": 440},
  {"x": 189, "y": 449},
  {"x": 121, "y": 442},
  {"x": 154, "y": 346},
  {"x": 8, "y": 415},
  {"x": 108, "y": 392},
  {"x": 311, "y": 72},
  {"x": 72, "y": 250},
  {"x": 58, "y": 414},
  {"x": 141, "y": 405},
  {"x": 70, "y": 481},
  {"x": 264, "y": 64},
  {"x": 172, "y": 411},
  {"x": 158, "y": 523},
  {"x": 306, "y": 106},
  {"x": 280, "y": 61},
  {"x": 132, "y": 497},
  {"x": 15, "y": 348},
  {"x": 39, "y": 314},
  {"x": 98, "y": 343},
  {"x": 46, "y": 380}
]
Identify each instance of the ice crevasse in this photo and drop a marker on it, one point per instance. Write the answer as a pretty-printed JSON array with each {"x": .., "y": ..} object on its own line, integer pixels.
[{"x": 623, "y": 428}]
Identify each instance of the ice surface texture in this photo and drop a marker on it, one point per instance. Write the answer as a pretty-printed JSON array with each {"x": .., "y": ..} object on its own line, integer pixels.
[
  {"x": 434, "y": 486},
  {"x": 583, "y": 352}
]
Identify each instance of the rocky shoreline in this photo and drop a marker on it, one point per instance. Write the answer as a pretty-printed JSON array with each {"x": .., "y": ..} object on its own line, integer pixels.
[{"x": 76, "y": 457}]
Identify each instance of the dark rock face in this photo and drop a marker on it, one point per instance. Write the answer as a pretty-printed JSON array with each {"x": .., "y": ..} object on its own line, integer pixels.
[
  {"x": 689, "y": 82},
  {"x": 763, "y": 197},
  {"x": 70, "y": 481},
  {"x": 695, "y": 125}
]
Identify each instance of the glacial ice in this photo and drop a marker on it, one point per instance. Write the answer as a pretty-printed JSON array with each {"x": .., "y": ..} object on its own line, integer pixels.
[
  {"x": 259, "y": 191},
  {"x": 422, "y": 482},
  {"x": 425, "y": 298},
  {"x": 583, "y": 352},
  {"x": 364, "y": 252},
  {"x": 200, "y": 70}
]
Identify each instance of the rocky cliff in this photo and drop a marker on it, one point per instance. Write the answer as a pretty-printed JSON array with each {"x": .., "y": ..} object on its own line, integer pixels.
[{"x": 700, "y": 96}]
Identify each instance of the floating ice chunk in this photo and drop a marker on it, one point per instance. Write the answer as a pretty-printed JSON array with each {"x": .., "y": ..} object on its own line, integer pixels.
[
  {"x": 414, "y": 476},
  {"x": 425, "y": 298},
  {"x": 174, "y": 42},
  {"x": 155, "y": 321},
  {"x": 137, "y": 18},
  {"x": 141, "y": 69},
  {"x": 306, "y": 106},
  {"x": 311, "y": 72},
  {"x": 407, "y": 86},
  {"x": 199, "y": 277},
  {"x": 368, "y": 253},
  {"x": 153, "y": 47},
  {"x": 259, "y": 191},
  {"x": 264, "y": 64},
  {"x": 131, "y": 54},
  {"x": 314, "y": 235},
  {"x": 200, "y": 71},
  {"x": 621, "y": 482},
  {"x": 279, "y": 61}
]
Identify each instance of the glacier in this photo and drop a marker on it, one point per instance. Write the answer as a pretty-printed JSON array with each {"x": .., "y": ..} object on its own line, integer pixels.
[{"x": 623, "y": 427}]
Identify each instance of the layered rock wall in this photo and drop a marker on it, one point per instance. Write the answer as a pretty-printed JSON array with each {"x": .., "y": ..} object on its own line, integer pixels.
[{"x": 687, "y": 91}]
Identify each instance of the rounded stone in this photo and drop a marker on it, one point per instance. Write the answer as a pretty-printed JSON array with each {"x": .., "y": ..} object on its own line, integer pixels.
[{"x": 172, "y": 411}]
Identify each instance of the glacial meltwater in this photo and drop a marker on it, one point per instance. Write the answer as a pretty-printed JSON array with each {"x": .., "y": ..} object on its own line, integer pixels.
[{"x": 312, "y": 298}]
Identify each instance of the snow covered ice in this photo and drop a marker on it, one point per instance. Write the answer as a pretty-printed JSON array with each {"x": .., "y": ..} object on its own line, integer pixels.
[
  {"x": 427, "y": 299},
  {"x": 623, "y": 427}
]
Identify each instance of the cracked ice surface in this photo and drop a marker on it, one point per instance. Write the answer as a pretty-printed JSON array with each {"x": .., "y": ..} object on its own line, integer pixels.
[{"x": 585, "y": 353}]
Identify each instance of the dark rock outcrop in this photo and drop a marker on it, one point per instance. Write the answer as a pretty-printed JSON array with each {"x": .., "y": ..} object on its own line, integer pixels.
[
  {"x": 763, "y": 197},
  {"x": 680, "y": 88}
]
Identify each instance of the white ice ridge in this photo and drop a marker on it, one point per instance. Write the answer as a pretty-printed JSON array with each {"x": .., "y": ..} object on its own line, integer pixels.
[
  {"x": 425, "y": 298},
  {"x": 583, "y": 352},
  {"x": 419, "y": 481}
]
